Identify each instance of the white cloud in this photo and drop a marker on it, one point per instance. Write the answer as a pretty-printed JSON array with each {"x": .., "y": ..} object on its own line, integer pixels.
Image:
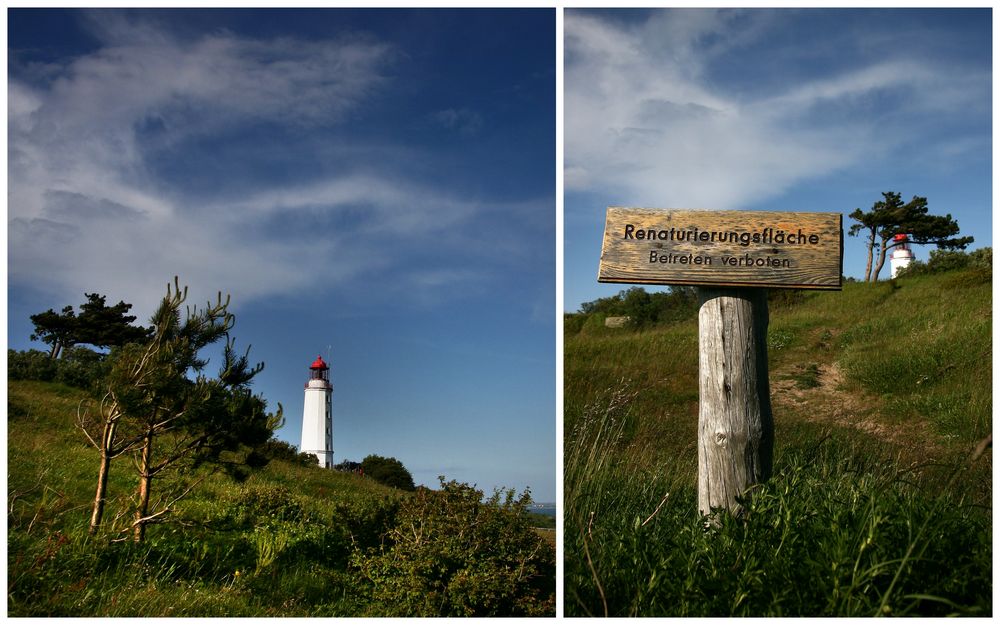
[
  {"x": 646, "y": 122},
  {"x": 89, "y": 212}
]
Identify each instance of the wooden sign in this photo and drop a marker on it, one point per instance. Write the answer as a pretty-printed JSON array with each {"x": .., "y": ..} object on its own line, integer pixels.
[{"x": 723, "y": 248}]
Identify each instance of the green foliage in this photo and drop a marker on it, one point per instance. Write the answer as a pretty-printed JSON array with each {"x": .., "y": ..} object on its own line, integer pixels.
[
  {"x": 979, "y": 263},
  {"x": 453, "y": 554},
  {"x": 644, "y": 309},
  {"x": 786, "y": 298},
  {"x": 890, "y": 216},
  {"x": 152, "y": 405},
  {"x": 274, "y": 449},
  {"x": 388, "y": 471},
  {"x": 78, "y": 367},
  {"x": 31, "y": 365},
  {"x": 594, "y": 324},
  {"x": 264, "y": 504},
  {"x": 779, "y": 339},
  {"x": 573, "y": 322},
  {"x": 55, "y": 329},
  {"x": 97, "y": 324}
]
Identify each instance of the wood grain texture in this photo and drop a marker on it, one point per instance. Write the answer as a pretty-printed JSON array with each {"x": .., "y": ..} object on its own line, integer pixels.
[
  {"x": 735, "y": 425},
  {"x": 757, "y": 248}
]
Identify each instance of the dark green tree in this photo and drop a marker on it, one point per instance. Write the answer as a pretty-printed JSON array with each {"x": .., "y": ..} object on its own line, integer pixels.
[
  {"x": 161, "y": 406},
  {"x": 890, "y": 216},
  {"x": 97, "y": 324},
  {"x": 388, "y": 471},
  {"x": 57, "y": 330},
  {"x": 101, "y": 325}
]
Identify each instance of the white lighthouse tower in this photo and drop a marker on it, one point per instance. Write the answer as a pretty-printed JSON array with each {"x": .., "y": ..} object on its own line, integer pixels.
[
  {"x": 317, "y": 415},
  {"x": 901, "y": 254}
]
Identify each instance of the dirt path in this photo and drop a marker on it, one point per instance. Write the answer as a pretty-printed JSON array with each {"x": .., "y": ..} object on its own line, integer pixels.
[{"x": 828, "y": 403}]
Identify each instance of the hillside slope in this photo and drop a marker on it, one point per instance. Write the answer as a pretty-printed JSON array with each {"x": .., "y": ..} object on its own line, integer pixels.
[
  {"x": 288, "y": 541},
  {"x": 885, "y": 384},
  {"x": 905, "y": 363}
]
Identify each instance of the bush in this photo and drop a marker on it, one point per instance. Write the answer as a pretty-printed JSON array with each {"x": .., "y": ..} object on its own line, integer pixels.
[
  {"x": 452, "y": 554},
  {"x": 573, "y": 323},
  {"x": 388, "y": 471},
  {"x": 940, "y": 261},
  {"x": 30, "y": 365},
  {"x": 642, "y": 308},
  {"x": 79, "y": 367},
  {"x": 982, "y": 258},
  {"x": 275, "y": 449},
  {"x": 594, "y": 324},
  {"x": 82, "y": 367},
  {"x": 947, "y": 260},
  {"x": 261, "y": 505}
]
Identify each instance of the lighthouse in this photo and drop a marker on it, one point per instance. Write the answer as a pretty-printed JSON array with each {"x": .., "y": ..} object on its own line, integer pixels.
[
  {"x": 317, "y": 414},
  {"x": 901, "y": 254}
]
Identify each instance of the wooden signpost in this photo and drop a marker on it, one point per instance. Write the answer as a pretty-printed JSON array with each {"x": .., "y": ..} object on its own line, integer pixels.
[{"x": 733, "y": 257}]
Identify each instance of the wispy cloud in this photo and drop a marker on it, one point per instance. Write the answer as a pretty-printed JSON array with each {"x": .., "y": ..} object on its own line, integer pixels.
[
  {"x": 90, "y": 207},
  {"x": 646, "y": 121}
]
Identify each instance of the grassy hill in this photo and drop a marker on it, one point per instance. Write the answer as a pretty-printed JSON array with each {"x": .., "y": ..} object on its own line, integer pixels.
[
  {"x": 288, "y": 541},
  {"x": 880, "y": 394}
]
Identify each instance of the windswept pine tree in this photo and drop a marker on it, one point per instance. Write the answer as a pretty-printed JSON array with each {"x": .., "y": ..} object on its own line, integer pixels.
[
  {"x": 890, "y": 216},
  {"x": 153, "y": 408}
]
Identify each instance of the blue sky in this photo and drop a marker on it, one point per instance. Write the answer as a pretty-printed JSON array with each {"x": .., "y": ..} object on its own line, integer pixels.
[
  {"x": 789, "y": 110},
  {"x": 375, "y": 186}
]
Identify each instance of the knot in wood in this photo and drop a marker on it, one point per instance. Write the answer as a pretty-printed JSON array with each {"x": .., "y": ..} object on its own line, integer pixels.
[{"x": 720, "y": 439}]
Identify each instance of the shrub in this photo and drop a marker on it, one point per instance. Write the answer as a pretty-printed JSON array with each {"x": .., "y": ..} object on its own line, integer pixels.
[
  {"x": 30, "y": 365},
  {"x": 947, "y": 260},
  {"x": 258, "y": 505},
  {"x": 980, "y": 260},
  {"x": 388, "y": 471},
  {"x": 366, "y": 521},
  {"x": 79, "y": 366},
  {"x": 452, "y": 554},
  {"x": 573, "y": 323},
  {"x": 641, "y": 307},
  {"x": 594, "y": 324},
  {"x": 275, "y": 449},
  {"x": 82, "y": 367}
]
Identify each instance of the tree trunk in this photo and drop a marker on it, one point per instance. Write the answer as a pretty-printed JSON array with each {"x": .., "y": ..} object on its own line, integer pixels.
[
  {"x": 145, "y": 483},
  {"x": 881, "y": 259},
  {"x": 871, "y": 247},
  {"x": 735, "y": 425},
  {"x": 107, "y": 440}
]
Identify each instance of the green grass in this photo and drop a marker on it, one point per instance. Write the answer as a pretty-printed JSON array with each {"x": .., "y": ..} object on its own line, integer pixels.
[
  {"x": 215, "y": 558},
  {"x": 281, "y": 543},
  {"x": 880, "y": 394}
]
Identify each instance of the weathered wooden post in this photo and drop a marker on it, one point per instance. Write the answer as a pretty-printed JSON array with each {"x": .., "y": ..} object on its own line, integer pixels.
[
  {"x": 735, "y": 427},
  {"x": 733, "y": 257}
]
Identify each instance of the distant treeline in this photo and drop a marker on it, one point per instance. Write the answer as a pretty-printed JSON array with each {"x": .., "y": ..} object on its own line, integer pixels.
[{"x": 680, "y": 303}]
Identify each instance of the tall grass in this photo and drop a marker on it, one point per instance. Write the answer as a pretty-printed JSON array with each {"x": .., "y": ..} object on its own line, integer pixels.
[
  {"x": 874, "y": 508},
  {"x": 840, "y": 530}
]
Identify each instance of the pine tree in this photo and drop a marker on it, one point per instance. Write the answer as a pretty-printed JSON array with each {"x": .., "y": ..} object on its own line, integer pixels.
[
  {"x": 97, "y": 324},
  {"x": 154, "y": 408},
  {"x": 890, "y": 216}
]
